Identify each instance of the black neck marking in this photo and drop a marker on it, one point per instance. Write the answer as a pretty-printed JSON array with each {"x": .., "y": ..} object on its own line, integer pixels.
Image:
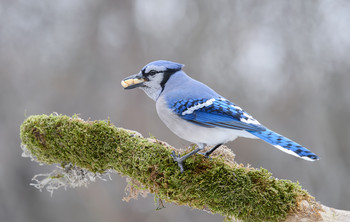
[{"x": 166, "y": 77}]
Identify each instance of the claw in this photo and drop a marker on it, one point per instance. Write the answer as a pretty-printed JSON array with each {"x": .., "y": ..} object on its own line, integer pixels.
[
  {"x": 179, "y": 160},
  {"x": 173, "y": 155},
  {"x": 181, "y": 167}
]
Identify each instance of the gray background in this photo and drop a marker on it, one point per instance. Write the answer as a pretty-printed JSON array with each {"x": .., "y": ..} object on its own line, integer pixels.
[{"x": 285, "y": 62}]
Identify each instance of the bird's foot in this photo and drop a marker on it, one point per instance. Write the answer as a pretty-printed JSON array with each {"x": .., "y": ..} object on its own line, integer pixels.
[
  {"x": 179, "y": 160},
  {"x": 206, "y": 155}
]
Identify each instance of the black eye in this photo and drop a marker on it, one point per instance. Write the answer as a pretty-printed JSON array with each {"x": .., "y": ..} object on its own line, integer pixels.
[{"x": 152, "y": 72}]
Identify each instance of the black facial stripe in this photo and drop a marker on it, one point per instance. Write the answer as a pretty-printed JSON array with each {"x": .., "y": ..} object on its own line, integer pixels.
[{"x": 150, "y": 73}]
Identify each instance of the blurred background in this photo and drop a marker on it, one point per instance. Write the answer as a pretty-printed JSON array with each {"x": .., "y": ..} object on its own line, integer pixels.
[{"x": 285, "y": 62}]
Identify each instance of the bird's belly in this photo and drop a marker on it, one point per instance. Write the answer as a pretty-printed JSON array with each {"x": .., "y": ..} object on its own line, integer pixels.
[{"x": 196, "y": 133}]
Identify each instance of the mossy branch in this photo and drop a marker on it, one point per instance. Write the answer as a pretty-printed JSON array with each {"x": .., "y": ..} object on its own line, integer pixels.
[{"x": 219, "y": 185}]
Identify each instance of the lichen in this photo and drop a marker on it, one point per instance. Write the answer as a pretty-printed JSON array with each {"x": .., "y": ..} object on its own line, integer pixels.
[
  {"x": 68, "y": 176},
  {"x": 215, "y": 185}
]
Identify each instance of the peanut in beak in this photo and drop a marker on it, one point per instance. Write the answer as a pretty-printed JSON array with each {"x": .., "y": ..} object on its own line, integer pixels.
[{"x": 130, "y": 82}]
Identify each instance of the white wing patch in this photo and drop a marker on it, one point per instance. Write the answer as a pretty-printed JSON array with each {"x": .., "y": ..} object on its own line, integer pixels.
[
  {"x": 249, "y": 119},
  {"x": 155, "y": 68},
  {"x": 246, "y": 118},
  {"x": 198, "y": 106}
]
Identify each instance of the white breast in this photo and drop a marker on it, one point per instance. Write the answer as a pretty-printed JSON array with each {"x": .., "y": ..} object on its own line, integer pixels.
[{"x": 196, "y": 133}]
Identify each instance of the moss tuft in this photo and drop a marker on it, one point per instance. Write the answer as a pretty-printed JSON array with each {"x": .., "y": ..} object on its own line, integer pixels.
[{"x": 218, "y": 186}]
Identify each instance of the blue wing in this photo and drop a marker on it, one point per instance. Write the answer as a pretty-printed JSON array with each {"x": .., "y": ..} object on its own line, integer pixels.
[{"x": 215, "y": 112}]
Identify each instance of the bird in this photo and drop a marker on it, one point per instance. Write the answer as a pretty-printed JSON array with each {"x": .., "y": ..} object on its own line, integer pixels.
[{"x": 196, "y": 113}]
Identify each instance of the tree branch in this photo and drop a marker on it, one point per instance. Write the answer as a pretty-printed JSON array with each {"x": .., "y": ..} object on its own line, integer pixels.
[{"x": 219, "y": 185}]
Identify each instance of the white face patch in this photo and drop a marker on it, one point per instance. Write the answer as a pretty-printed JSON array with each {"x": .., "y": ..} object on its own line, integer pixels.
[
  {"x": 152, "y": 87},
  {"x": 155, "y": 68},
  {"x": 198, "y": 106}
]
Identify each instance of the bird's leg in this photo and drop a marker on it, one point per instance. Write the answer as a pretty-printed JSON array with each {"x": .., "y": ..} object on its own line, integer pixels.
[
  {"x": 179, "y": 159},
  {"x": 206, "y": 154}
]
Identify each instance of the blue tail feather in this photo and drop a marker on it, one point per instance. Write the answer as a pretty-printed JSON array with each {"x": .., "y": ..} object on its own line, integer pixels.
[{"x": 285, "y": 144}]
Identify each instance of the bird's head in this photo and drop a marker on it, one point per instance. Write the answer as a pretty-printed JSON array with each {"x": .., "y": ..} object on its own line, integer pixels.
[{"x": 152, "y": 78}]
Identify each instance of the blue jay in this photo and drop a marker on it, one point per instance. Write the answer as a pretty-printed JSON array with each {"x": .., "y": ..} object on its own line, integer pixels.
[{"x": 198, "y": 114}]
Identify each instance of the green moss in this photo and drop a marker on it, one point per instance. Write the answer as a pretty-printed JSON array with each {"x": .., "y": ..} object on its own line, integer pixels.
[{"x": 230, "y": 190}]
